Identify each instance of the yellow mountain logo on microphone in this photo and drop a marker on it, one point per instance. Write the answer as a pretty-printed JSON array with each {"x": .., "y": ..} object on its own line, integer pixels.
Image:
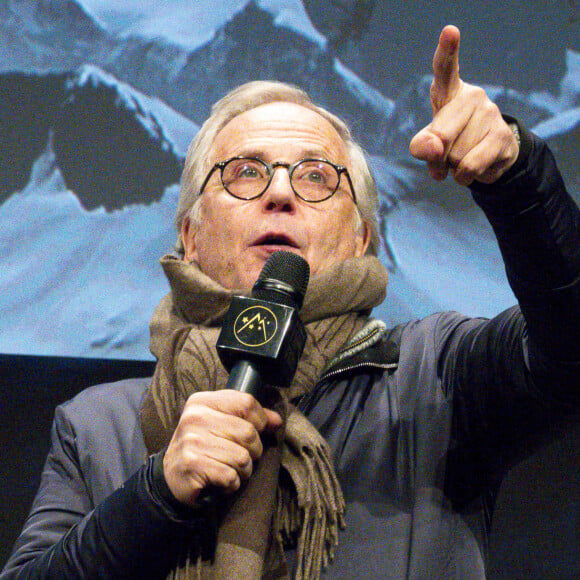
[{"x": 255, "y": 326}]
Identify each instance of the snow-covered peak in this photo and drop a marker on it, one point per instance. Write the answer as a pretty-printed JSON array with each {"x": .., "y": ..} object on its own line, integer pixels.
[
  {"x": 92, "y": 75},
  {"x": 188, "y": 24},
  {"x": 153, "y": 113},
  {"x": 291, "y": 14}
]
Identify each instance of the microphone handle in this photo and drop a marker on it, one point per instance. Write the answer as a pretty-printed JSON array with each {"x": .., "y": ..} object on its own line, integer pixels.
[{"x": 244, "y": 377}]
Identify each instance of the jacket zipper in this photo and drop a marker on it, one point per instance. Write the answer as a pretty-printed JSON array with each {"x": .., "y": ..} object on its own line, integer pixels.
[{"x": 384, "y": 366}]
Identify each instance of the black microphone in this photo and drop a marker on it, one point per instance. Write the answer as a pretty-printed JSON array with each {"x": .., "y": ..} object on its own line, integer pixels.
[{"x": 262, "y": 337}]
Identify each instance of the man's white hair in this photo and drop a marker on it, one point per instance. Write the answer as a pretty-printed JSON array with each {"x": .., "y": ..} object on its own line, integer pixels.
[{"x": 247, "y": 97}]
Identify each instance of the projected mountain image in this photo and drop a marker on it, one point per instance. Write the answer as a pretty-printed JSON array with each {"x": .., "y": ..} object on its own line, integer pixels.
[{"x": 98, "y": 103}]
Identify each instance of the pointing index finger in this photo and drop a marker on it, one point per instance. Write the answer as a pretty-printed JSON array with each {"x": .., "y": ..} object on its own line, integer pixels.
[{"x": 446, "y": 80}]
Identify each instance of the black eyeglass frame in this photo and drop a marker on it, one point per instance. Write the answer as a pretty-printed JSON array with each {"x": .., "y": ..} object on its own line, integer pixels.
[{"x": 270, "y": 167}]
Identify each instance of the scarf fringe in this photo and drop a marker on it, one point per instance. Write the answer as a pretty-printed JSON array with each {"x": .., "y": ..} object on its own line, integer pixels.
[{"x": 311, "y": 509}]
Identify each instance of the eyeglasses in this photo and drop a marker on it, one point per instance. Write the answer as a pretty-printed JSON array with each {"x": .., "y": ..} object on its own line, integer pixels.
[{"x": 312, "y": 180}]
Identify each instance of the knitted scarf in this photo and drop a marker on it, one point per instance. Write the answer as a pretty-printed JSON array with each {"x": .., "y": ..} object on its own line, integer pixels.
[{"x": 293, "y": 495}]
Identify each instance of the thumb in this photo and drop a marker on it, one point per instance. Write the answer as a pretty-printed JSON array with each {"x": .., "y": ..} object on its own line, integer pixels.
[{"x": 427, "y": 146}]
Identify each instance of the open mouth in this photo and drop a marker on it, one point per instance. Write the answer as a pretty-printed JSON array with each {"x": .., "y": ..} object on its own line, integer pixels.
[{"x": 275, "y": 240}]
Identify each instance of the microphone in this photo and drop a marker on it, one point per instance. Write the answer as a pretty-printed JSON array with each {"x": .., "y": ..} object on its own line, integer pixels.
[{"x": 262, "y": 337}]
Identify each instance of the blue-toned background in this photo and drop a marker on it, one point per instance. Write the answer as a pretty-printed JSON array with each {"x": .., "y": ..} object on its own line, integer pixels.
[{"x": 99, "y": 100}]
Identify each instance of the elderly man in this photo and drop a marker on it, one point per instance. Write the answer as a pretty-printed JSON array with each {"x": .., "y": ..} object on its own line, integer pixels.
[{"x": 180, "y": 478}]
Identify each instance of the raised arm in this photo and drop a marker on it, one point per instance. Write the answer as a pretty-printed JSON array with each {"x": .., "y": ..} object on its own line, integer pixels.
[{"x": 516, "y": 378}]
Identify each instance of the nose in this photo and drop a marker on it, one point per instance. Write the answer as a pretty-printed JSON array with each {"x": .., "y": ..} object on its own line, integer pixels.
[{"x": 279, "y": 196}]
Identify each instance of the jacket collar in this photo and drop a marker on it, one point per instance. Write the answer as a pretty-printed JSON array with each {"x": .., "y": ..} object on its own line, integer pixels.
[{"x": 375, "y": 345}]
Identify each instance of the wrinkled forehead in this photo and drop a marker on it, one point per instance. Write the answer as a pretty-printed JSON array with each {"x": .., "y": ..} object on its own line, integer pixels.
[{"x": 279, "y": 130}]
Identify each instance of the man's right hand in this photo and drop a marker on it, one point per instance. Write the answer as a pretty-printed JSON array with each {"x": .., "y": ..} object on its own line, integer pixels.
[{"x": 215, "y": 443}]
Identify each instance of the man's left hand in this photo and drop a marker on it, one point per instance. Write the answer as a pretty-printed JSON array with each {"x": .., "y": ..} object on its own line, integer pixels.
[{"x": 467, "y": 136}]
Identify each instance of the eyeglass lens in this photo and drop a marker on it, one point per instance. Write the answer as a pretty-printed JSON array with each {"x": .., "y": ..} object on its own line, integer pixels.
[{"x": 312, "y": 180}]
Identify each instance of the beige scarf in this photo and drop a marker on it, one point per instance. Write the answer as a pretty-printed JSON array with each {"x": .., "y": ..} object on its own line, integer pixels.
[{"x": 293, "y": 494}]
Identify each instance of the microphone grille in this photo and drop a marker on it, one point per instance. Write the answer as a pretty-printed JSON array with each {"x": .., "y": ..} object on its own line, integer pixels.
[{"x": 283, "y": 279}]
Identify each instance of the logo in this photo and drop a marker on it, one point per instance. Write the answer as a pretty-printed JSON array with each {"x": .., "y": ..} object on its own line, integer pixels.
[{"x": 255, "y": 326}]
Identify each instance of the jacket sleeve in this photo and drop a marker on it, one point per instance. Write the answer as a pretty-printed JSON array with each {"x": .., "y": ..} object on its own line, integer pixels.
[
  {"x": 134, "y": 533},
  {"x": 515, "y": 380}
]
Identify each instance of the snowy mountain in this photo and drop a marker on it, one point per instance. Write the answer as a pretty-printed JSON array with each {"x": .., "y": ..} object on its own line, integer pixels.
[
  {"x": 96, "y": 125},
  {"x": 188, "y": 24},
  {"x": 253, "y": 40},
  {"x": 79, "y": 282},
  {"x": 89, "y": 183},
  {"x": 98, "y": 102}
]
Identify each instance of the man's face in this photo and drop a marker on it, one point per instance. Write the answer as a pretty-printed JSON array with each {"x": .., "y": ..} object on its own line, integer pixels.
[{"x": 235, "y": 237}]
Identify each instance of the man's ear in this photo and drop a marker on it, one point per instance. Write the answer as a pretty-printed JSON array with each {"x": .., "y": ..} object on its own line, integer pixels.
[
  {"x": 189, "y": 239},
  {"x": 363, "y": 239}
]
